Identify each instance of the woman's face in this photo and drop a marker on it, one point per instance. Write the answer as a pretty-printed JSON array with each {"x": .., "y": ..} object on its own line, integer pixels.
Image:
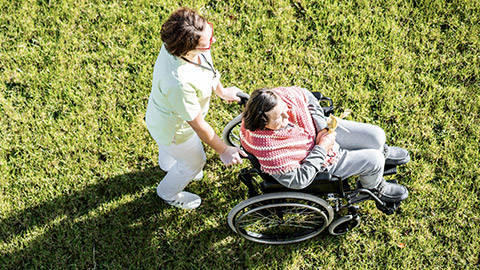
[
  {"x": 207, "y": 39},
  {"x": 277, "y": 117}
]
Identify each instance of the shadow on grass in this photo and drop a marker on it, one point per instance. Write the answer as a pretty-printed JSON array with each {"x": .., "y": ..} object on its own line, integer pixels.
[{"x": 121, "y": 223}]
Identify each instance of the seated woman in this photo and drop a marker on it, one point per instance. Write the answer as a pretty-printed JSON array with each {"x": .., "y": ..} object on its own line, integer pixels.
[{"x": 286, "y": 130}]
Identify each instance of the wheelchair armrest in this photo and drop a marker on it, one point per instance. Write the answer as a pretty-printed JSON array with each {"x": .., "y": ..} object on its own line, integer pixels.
[{"x": 321, "y": 176}]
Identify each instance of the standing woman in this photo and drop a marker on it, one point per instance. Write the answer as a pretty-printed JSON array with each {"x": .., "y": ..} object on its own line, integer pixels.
[{"x": 183, "y": 81}]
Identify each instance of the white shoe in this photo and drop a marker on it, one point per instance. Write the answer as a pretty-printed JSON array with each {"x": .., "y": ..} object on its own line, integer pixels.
[
  {"x": 199, "y": 176},
  {"x": 185, "y": 200}
]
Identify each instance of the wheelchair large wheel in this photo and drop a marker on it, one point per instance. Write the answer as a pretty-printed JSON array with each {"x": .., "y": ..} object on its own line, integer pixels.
[
  {"x": 344, "y": 224},
  {"x": 281, "y": 217},
  {"x": 231, "y": 133}
]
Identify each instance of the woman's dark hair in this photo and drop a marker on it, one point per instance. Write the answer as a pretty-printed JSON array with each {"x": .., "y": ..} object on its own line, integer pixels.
[
  {"x": 182, "y": 31},
  {"x": 260, "y": 102}
]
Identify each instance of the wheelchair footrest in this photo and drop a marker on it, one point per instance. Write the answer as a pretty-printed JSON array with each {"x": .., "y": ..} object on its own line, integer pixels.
[
  {"x": 360, "y": 198},
  {"x": 389, "y": 208},
  {"x": 389, "y": 170}
]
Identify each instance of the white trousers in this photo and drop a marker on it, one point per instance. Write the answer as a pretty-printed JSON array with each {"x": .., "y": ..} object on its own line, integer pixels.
[{"x": 182, "y": 162}]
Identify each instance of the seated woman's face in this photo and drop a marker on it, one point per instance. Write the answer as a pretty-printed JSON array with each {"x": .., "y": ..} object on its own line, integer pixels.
[{"x": 277, "y": 117}]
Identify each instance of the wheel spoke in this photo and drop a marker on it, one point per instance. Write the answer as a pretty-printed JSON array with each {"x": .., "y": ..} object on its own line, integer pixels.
[
  {"x": 259, "y": 219},
  {"x": 304, "y": 226},
  {"x": 269, "y": 223}
]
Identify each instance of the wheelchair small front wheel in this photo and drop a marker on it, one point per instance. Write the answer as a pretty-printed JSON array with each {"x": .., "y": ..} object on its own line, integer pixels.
[
  {"x": 280, "y": 218},
  {"x": 344, "y": 224}
]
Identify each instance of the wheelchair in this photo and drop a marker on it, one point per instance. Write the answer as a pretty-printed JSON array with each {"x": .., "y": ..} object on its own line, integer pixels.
[{"x": 275, "y": 214}]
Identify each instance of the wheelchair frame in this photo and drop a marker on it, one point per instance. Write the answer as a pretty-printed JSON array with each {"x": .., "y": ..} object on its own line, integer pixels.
[{"x": 275, "y": 214}]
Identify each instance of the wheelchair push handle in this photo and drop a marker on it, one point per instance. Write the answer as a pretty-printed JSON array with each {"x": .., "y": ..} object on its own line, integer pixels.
[
  {"x": 243, "y": 98},
  {"x": 327, "y": 108}
]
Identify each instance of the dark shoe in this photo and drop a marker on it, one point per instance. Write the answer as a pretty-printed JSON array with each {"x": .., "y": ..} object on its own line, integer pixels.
[
  {"x": 396, "y": 155},
  {"x": 390, "y": 192}
]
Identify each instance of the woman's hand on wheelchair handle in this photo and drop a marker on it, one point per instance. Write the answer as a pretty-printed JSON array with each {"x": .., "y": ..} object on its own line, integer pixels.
[
  {"x": 231, "y": 156},
  {"x": 230, "y": 94},
  {"x": 325, "y": 139}
]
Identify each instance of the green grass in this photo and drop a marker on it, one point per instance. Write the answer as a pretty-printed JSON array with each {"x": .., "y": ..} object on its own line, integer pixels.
[{"x": 78, "y": 167}]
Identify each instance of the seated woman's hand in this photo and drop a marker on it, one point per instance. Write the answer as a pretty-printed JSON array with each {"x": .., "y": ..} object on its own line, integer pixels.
[{"x": 325, "y": 139}]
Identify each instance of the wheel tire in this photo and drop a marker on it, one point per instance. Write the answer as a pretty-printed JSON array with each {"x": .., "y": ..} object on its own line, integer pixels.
[
  {"x": 281, "y": 217},
  {"x": 231, "y": 132},
  {"x": 344, "y": 224}
]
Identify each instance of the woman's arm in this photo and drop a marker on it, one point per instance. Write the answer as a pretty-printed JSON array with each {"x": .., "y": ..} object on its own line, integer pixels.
[
  {"x": 316, "y": 111},
  {"x": 229, "y": 155},
  {"x": 229, "y": 94},
  {"x": 311, "y": 165},
  {"x": 304, "y": 175}
]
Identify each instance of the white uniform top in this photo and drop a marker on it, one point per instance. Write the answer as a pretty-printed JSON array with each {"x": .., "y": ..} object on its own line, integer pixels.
[{"x": 180, "y": 91}]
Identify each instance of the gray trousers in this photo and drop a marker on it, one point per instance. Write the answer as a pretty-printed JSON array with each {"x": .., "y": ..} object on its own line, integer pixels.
[{"x": 361, "y": 152}]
